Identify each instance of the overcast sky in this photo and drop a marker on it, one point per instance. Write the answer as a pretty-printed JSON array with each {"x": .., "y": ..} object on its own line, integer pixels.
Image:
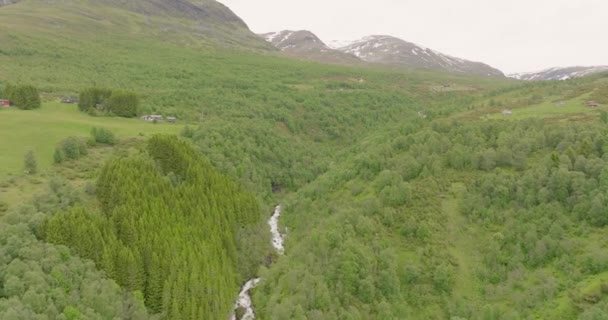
[{"x": 512, "y": 35}]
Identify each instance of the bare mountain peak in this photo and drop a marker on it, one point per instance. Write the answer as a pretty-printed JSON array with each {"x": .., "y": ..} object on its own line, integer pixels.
[
  {"x": 385, "y": 49},
  {"x": 307, "y": 45},
  {"x": 559, "y": 73},
  {"x": 378, "y": 49},
  {"x": 286, "y": 39}
]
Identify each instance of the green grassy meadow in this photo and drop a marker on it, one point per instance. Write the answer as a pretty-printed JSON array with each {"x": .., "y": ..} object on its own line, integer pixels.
[
  {"x": 40, "y": 130},
  {"x": 551, "y": 109}
]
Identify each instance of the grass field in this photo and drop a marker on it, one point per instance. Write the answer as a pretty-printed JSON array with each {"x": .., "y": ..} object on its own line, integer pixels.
[
  {"x": 40, "y": 130},
  {"x": 550, "y": 109}
]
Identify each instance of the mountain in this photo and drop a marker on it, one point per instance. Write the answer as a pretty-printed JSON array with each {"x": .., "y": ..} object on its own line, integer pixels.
[
  {"x": 394, "y": 51},
  {"x": 187, "y": 22},
  {"x": 559, "y": 73},
  {"x": 305, "y": 44}
]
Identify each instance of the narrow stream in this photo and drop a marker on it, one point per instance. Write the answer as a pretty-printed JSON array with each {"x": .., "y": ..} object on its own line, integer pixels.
[{"x": 244, "y": 298}]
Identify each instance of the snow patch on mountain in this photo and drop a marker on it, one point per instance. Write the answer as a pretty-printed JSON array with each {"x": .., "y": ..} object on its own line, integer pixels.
[
  {"x": 390, "y": 50},
  {"x": 336, "y": 44},
  {"x": 379, "y": 49},
  {"x": 562, "y": 74}
]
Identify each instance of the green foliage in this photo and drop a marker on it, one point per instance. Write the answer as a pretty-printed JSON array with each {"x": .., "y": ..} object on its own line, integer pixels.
[
  {"x": 90, "y": 98},
  {"x": 30, "y": 163},
  {"x": 24, "y": 97},
  {"x": 187, "y": 132},
  {"x": 103, "y": 136},
  {"x": 172, "y": 242},
  {"x": 600, "y": 94},
  {"x": 123, "y": 104},
  {"x": 59, "y": 121},
  {"x": 604, "y": 116},
  {"x": 70, "y": 148},
  {"x": 120, "y": 103},
  {"x": 45, "y": 281},
  {"x": 376, "y": 227},
  {"x": 378, "y": 240}
]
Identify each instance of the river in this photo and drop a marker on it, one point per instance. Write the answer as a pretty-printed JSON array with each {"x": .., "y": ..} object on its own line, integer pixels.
[{"x": 244, "y": 298}]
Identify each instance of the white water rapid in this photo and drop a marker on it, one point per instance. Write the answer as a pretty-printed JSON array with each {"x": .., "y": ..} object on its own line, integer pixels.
[{"x": 244, "y": 298}]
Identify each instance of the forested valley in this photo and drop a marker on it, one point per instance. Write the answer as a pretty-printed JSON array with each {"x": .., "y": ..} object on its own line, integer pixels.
[{"x": 405, "y": 194}]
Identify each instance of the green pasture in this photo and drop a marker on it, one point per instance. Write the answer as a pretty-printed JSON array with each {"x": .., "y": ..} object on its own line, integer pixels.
[
  {"x": 550, "y": 109},
  {"x": 40, "y": 130}
]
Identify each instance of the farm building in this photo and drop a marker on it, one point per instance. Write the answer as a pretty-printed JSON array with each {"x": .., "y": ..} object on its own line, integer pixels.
[
  {"x": 69, "y": 100},
  {"x": 507, "y": 112},
  {"x": 591, "y": 104},
  {"x": 5, "y": 103},
  {"x": 152, "y": 118}
]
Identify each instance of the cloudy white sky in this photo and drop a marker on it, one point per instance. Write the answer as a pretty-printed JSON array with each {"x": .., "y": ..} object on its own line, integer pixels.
[{"x": 512, "y": 35}]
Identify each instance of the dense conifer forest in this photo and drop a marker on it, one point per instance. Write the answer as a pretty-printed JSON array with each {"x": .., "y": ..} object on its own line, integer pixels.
[{"x": 167, "y": 229}]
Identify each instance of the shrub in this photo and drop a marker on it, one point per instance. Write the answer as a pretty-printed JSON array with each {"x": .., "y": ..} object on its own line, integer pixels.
[
  {"x": 103, "y": 136},
  {"x": 69, "y": 148},
  {"x": 30, "y": 163},
  {"x": 187, "y": 132}
]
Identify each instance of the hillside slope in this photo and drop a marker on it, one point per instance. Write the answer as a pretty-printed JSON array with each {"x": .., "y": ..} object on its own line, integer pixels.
[
  {"x": 458, "y": 218},
  {"x": 188, "y": 22}
]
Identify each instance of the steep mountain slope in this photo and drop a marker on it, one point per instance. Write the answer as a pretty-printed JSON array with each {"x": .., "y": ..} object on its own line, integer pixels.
[
  {"x": 394, "y": 51},
  {"x": 205, "y": 11},
  {"x": 189, "y": 22},
  {"x": 559, "y": 73},
  {"x": 305, "y": 44}
]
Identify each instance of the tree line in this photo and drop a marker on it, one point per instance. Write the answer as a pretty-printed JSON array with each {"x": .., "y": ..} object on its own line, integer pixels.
[
  {"x": 23, "y": 96},
  {"x": 106, "y": 101}
]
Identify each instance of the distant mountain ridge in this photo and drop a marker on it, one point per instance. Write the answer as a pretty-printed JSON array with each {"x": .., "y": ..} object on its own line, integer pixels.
[
  {"x": 384, "y": 50},
  {"x": 305, "y": 44},
  {"x": 394, "y": 51},
  {"x": 564, "y": 73}
]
